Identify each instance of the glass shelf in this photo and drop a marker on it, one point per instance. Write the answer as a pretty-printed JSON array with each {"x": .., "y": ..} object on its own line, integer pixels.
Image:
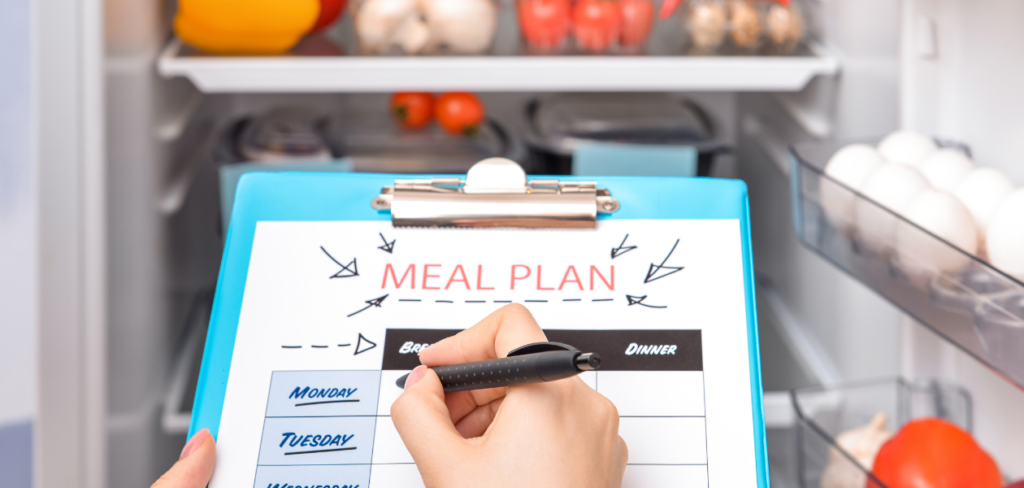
[
  {"x": 824, "y": 413},
  {"x": 960, "y": 297}
]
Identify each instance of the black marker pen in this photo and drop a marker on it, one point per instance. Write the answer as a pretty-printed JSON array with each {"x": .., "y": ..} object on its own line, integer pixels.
[{"x": 532, "y": 363}]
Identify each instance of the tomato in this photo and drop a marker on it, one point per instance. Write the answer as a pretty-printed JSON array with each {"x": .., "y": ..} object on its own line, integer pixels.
[
  {"x": 544, "y": 23},
  {"x": 668, "y": 7},
  {"x": 933, "y": 453},
  {"x": 412, "y": 110},
  {"x": 330, "y": 10},
  {"x": 459, "y": 113},
  {"x": 637, "y": 21},
  {"x": 597, "y": 23}
]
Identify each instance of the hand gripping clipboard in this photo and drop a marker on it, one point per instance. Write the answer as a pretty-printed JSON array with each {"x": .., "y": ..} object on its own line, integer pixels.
[{"x": 713, "y": 374}]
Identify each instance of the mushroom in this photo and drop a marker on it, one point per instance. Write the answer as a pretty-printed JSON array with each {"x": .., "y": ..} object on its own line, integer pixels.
[
  {"x": 379, "y": 23},
  {"x": 464, "y": 26},
  {"x": 417, "y": 26}
]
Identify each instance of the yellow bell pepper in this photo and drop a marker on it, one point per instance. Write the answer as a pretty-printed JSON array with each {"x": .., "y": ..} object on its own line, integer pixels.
[{"x": 245, "y": 26}]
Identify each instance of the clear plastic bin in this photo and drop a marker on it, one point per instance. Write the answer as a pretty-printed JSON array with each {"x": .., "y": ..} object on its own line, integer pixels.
[
  {"x": 743, "y": 27},
  {"x": 824, "y": 413},
  {"x": 427, "y": 27},
  {"x": 369, "y": 141},
  {"x": 585, "y": 26},
  {"x": 957, "y": 295},
  {"x": 557, "y": 125}
]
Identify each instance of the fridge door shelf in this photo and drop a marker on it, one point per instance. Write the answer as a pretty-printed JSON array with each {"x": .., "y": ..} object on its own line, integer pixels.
[
  {"x": 353, "y": 73},
  {"x": 823, "y": 413},
  {"x": 957, "y": 295}
]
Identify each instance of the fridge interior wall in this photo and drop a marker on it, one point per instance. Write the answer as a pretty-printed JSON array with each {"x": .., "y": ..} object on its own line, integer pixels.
[
  {"x": 850, "y": 331},
  {"x": 962, "y": 79}
]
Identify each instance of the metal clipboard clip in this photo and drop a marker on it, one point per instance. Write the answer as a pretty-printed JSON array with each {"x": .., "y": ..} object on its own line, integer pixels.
[{"x": 495, "y": 193}]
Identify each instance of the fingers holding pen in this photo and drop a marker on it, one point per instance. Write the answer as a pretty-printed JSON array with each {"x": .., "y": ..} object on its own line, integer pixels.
[
  {"x": 503, "y": 330},
  {"x": 421, "y": 417},
  {"x": 507, "y": 328},
  {"x": 466, "y": 403}
]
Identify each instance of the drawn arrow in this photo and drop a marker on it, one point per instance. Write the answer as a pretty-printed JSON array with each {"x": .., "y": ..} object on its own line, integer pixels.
[
  {"x": 370, "y": 303},
  {"x": 622, "y": 249},
  {"x": 655, "y": 271},
  {"x": 360, "y": 347},
  {"x": 347, "y": 270},
  {"x": 632, "y": 300},
  {"x": 388, "y": 247}
]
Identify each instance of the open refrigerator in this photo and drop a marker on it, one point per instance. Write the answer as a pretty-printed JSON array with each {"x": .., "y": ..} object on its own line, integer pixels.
[{"x": 131, "y": 226}]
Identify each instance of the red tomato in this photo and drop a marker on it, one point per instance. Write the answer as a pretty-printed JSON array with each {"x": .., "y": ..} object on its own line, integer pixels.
[
  {"x": 459, "y": 113},
  {"x": 545, "y": 23},
  {"x": 668, "y": 7},
  {"x": 597, "y": 23},
  {"x": 637, "y": 21},
  {"x": 933, "y": 453},
  {"x": 330, "y": 10},
  {"x": 412, "y": 110}
]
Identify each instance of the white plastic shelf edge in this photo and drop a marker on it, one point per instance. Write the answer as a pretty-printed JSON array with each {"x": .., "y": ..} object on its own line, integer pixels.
[{"x": 285, "y": 74}]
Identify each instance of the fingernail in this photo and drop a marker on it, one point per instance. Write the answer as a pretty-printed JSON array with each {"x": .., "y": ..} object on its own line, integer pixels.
[
  {"x": 415, "y": 375},
  {"x": 193, "y": 444}
]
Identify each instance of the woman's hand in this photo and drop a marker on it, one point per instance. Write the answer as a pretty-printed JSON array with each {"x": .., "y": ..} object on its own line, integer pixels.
[
  {"x": 560, "y": 433},
  {"x": 195, "y": 465}
]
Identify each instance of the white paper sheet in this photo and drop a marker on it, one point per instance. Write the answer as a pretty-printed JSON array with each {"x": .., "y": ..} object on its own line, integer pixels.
[{"x": 321, "y": 297}]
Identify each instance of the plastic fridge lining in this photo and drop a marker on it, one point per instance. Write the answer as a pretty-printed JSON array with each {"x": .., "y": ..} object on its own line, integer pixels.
[
  {"x": 824, "y": 413},
  {"x": 957, "y": 295}
]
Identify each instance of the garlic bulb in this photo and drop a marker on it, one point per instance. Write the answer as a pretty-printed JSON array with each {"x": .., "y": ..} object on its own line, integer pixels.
[
  {"x": 379, "y": 22},
  {"x": 464, "y": 26},
  {"x": 863, "y": 444}
]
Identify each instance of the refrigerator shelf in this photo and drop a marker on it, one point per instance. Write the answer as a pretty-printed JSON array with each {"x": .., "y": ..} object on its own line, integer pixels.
[
  {"x": 964, "y": 299},
  {"x": 823, "y": 413},
  {"x": 312, "y": 74}
]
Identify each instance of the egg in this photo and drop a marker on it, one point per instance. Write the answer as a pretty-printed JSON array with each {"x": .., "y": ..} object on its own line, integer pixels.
[
  {"x": 707, "y": 23},
  {"x": 943, "y": 215},
  {"x": 746, "y": 24},
  {"x": 906, "y": 147},
  {"x": 894, "y": 187},
  {"x": 850, "y": 166},
  {"x": 981, "y": 191},
  {"x": 1005, "y": 239},
  {"x": 785, "y": 26},
  {"x": 946, "y": 168}
]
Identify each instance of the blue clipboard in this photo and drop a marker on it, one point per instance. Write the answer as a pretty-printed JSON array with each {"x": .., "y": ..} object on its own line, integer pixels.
[{"x": 295, "y": 196}]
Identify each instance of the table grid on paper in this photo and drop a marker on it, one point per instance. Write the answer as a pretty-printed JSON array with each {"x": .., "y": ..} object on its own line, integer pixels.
[{"x": 334, "y": 429}]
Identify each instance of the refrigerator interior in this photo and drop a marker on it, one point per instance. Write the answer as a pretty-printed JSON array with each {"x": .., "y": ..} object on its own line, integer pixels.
[{"x": 940, "y": 66}]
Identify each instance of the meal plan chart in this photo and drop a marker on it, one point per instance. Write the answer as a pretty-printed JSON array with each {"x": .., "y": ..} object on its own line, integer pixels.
[{"x": 334, "y": 312}]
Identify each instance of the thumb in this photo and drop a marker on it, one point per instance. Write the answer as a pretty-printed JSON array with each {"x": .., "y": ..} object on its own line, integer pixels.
[
  {"x": 422, "y": 418},
  {"x": 195, "y": 467}
]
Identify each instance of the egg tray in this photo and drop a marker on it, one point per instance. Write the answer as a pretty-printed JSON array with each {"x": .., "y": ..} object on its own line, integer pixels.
[
  {"x": 825, "y": 412},
  {"x": 976, "y": 307}
]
